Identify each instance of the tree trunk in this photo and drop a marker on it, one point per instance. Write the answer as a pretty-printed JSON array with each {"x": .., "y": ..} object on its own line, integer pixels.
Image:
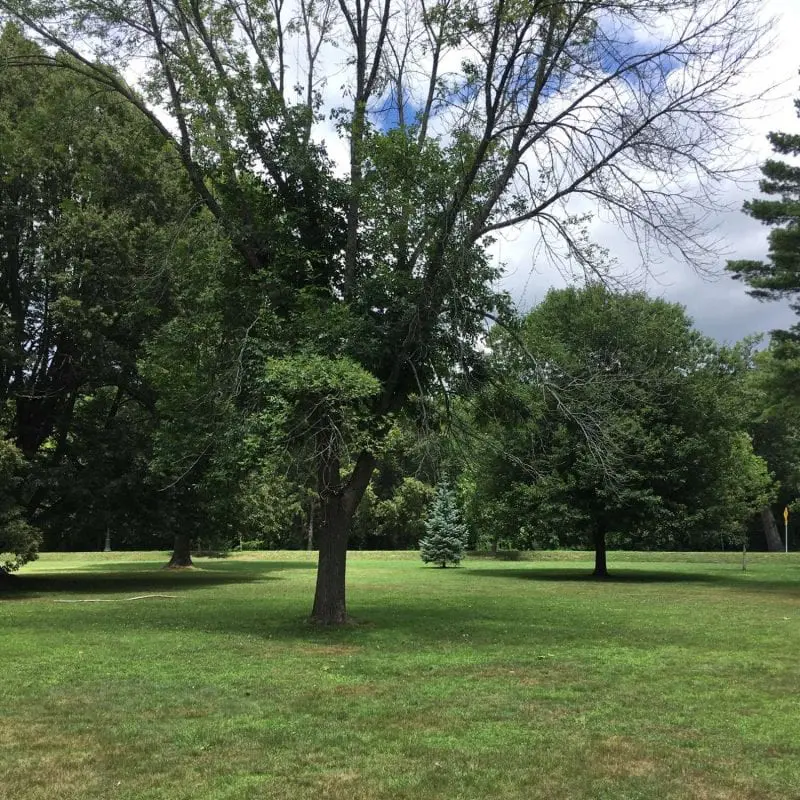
[
  {"x": 600, "y": 567},
  {"x": 311, "y": 511},
  {"x": 338, "y": 508},
  {"x": 774, "y": 542},
  {"x": 330, "y": 607},
  {"x": 182, "y": 553}
]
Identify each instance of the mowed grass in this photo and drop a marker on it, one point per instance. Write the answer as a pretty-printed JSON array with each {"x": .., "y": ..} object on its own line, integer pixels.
[{"x": 680, "y": 678}]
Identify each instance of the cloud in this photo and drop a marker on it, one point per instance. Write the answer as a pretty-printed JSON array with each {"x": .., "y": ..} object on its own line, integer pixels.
[{"x": 719, "y": 305}]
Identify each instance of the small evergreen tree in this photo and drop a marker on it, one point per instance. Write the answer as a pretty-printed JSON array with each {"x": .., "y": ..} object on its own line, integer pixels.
[{"x": 446, "y": 533}]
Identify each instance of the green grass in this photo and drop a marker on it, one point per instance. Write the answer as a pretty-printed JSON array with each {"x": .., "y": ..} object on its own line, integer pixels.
[{"x": 677, "y": 679}]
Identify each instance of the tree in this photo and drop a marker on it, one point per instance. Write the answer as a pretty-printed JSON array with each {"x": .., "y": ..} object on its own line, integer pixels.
[
  {"x": 389, "y": 266},
  {"x": 84, "y": 209},
  {"x": 92, "y": 216},
  {"x": 778, "y": 276},
  {"x": 777, "y": 375},
  {"x": 19, "y": 541},
  {"x": 774, "y": 417},
  {"x": 653, "y": 453},
  {"x": 445, "y": 534},
  {"x": 776, "y": 379}
]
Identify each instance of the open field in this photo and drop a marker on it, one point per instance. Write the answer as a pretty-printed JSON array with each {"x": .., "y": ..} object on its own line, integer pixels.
[{"x": 679, "y": 678}]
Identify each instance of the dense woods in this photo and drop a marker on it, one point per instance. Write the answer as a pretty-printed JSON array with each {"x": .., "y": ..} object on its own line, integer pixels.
[{"x": 214, "y": 336}]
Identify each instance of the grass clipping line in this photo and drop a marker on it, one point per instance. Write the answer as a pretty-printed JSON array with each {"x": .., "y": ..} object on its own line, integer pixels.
[{"x": 119, "y": 599}]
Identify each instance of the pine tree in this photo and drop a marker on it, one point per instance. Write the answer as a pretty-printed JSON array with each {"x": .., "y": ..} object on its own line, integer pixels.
[
  {"x": 446, "y": 533},
  {"x": 779, "y": 275}
]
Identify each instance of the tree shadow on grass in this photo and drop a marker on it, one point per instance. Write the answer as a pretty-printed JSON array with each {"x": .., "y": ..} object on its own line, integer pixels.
[
  {"x": 748, "y": 581},
  {"x": 127, "y": 577},
  {"x": 560, "y": 574}
]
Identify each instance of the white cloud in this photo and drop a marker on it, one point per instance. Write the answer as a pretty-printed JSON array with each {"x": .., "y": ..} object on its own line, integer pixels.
[{"x": 719, "y": 306}]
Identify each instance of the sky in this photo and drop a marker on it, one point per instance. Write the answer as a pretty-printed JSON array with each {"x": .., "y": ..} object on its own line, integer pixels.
[{"x": 719, "y": 305}]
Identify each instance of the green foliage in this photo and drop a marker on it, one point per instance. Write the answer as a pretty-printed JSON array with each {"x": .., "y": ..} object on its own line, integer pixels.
[
  {"x": 396, "y": 521},
  {"x": 19, "y": 541},
  {"x": 395, "y": 506},
  {"x": 94, "y": 212},
  {"x": 631, "y": 426},
  {"x": 445, "y": 533},
  {"x": 269, "y": 506},
  {"x": 779, "y": 275},
  {"x": 775, "y": 383}
]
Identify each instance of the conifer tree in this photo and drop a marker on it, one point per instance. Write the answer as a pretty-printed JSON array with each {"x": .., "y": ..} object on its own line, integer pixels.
[
  {"x": 446, "y": 534},
  {"x": 778, "y": 276}
]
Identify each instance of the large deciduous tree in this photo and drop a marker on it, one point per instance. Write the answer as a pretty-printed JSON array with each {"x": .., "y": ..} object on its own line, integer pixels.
[
  {"x": 455, "y": 121},
  {"x": 85, "y": 199},
  {"x": 91, "y": 203},
  {"x": 653, "y": 453}
]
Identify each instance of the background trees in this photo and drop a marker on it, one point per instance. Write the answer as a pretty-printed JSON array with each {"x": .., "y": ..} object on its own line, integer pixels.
[
  {"x": 776, "y": 379},
  {"x": 90, "y": 203}
]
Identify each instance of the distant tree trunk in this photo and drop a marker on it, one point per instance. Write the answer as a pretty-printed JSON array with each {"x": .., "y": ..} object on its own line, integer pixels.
[
  {"x": 311, "y": 511},
  {"x": 774, "y": 542},
  {"x": 600, "y": 567},
  {"x": 182, "y": 552},
  {"x": 107, "y": 547},
  {"x": 338, "y": 506}
]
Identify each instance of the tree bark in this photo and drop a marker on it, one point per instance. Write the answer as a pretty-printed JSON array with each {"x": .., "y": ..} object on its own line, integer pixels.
[
  {"x": 310, "y": 538},
  {"x": 337, "y": 510},
  {"x": 182, "y": 553},
  {"x": 330, "y": 607},
  {"x": 600, "y": 567},
  {"x": 774, "y": 541}
]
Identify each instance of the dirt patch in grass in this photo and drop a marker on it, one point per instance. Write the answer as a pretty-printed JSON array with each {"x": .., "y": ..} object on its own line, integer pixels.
[
  {"x": 621, "y": 757},
  {"x": 699, "y": 787},
  {"x": 38, "y": 763},
  {"x": 338, "y": 784}
]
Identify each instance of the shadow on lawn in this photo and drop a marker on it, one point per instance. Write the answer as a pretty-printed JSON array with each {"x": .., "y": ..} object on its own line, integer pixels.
[
  {"x": 748, "y": 581},
  {"x": 126, "y": 577},
  {"x": 561, "y": 575}
]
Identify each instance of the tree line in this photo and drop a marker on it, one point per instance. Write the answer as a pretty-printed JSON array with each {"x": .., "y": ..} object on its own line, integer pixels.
[{"x": 211, "y": 332}]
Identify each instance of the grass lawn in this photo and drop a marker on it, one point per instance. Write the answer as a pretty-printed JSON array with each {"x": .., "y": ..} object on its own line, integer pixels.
[{"x": 679, "y": 678}]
